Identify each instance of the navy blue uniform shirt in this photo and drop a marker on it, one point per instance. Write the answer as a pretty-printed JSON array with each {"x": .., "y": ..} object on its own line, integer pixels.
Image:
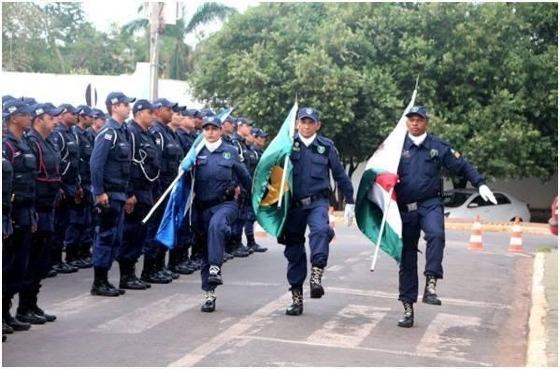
[
  {"x": 111, "y": 161},
  {"x": 219, "y": 171},
  {"x": 311, "y": 169},
  {"x": 420, "y": 169}
]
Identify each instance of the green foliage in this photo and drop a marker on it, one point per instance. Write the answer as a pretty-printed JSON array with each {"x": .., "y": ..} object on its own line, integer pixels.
[
  {"x": 56, "y": 38},
  {"x": 488, "y": 74}
]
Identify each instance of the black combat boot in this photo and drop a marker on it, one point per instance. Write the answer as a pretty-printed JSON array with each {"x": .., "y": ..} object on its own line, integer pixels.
[
  {"x": 85, "y": 254},
  {"x": 430, "y": 296},
  {"x": 215, "y": 275},
  {"x": 25, "y": 312},
  {"x": 8, "y": 319},
  {"x": 253, "y": 245},
  {"x": 128, "y": 280},
  {"x": 315, "y": 283},
  {"x": 150, "y": 275},
  {"x": 6, "y": 329},
  {"x": 407, "y": 320},
  {"x": 209, "y": 302},
  {"x": 101, "y": 285},
  {"x": 73, "y": 258},
  {"x": 296, "y": 308}
]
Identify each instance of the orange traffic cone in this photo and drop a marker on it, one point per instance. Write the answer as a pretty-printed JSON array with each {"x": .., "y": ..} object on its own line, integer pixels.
[
  {"x": 259, "y": 231},
  {"x": 516, "y": 241},
  {"x": 332, "y": 221},
  {"x": 475, "y": 242}
]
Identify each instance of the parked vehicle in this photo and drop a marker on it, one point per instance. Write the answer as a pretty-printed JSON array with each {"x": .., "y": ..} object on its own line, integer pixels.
[
  {"x": 553, "y": 221},
  {"x": 467, "y": 204}
]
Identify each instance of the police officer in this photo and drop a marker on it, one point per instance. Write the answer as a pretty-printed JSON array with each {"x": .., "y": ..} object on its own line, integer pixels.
[
  {"x": 99, "y": 119},
  {"x": 419, "y": 199},
  {"x": 187, "y": 134},
  {"x": 81, "y": 229},
  {"x": 144, "y": 175},
  {"x": 48, "y": 183},
  {"x": 67, "y": 218},
  {"x": 171, "y": 156},
  {"x": 110, "y": 166},
  {"x": 17, "y": 246},
  {"x": 313, "y": 157},
  {"x": 7, "y": 229},
  {"x": 217, "y": 173}
]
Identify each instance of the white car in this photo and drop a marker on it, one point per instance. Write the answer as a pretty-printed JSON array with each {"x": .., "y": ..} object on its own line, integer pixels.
[{"x": 467, "y": 204}]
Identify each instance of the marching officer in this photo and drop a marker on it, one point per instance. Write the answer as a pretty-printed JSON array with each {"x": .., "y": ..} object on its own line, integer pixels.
[
  {"x": 110, "y": 166},
  {"x": 47, "y": 187},
  {"x": 17, "y": 245},
  {"x": 217, "y": 173},
  {"x": 313, "y": 157},
  {"x": 143, "y": 177},
  {"x": 71, "y": 194},
  {"x": 419, "y": 197},
  {"x": 171, "y": 155}
]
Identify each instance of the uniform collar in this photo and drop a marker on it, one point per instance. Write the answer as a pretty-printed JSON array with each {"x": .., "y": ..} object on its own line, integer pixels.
[
  {"x": 306, "y": 141},
  {"x": 408, "y": 143},
  {"x": 111, "y": 123},
  {"x": 135, "y": 124}
]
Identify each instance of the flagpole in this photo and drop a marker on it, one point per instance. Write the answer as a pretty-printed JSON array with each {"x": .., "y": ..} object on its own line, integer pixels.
[
  {"x": 381, "y": 229},
  {"x": 284, "y": 172},
  {"x": 163, "y": 196}
]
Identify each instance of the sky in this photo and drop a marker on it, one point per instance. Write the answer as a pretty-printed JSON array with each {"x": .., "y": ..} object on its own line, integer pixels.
[{"x": 102, "y": 15}]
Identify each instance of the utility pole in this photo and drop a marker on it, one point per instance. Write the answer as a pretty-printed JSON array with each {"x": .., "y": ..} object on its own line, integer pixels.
[{"x": 156, "y": 10}]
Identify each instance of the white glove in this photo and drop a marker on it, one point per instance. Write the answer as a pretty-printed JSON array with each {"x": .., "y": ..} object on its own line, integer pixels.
[
  {"x": 487, "y": 194},
  {"x": 349, "y": 214}
]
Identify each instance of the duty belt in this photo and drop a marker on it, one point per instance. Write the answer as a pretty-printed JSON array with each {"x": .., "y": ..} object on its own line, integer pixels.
[
  {"x": 309, "y": 199},
  {"x": 413, "y": 206}
]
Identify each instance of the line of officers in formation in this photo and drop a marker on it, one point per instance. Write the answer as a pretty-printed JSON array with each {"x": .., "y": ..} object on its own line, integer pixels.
[{"x": 77, "y": 180}]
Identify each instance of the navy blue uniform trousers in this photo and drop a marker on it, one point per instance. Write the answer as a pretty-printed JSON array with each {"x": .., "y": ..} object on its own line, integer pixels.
[
  {"x": 428, "y": 218},
  {"x": 316, "y": 215}
]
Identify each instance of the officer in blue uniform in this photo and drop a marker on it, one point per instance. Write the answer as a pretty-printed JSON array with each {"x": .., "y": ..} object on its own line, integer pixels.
[
  {"x": 67, "y": 218},
  {"x": 313, "y": 157},
  {"x": 48, "y": 183},
  {"x": 419, "y": 197},
  {"x": 7, "y": 229},
  {"x": 81, "y": 227},
  {"x": 217, "y": 173},
  {"x": 187, "y": 134},
  {"x": 143, "y": 177},
  {"x": 110, "y": 167},
  {"x": 17, "y": 246},
  {"x": 171, "y": 155}
]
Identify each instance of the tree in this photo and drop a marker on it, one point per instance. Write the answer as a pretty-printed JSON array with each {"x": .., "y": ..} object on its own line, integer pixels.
[
  {"x": 488, "y": 74},
  {"x": 175, "y": 54}
]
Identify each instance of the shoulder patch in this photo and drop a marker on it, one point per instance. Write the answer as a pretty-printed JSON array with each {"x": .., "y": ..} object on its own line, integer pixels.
[
  {"x": 108, "y": 136},
  {"x": 456, "y": 154}
]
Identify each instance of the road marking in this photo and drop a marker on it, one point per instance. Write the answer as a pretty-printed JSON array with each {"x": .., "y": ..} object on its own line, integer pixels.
[
  {"x": 536, "y": 347},
  {"x": 77, "y": 304},
  {"x": 148, "y": 316},
  {"x": 335, "y": 268},
  {"x": 366, "y": 253},
  {"x": 436, "y": 341},
  {"x": 232, "y": 283},
  {"x": 350, "y": 326},
  {"x": 352, "y": 260},
  {"x": 393, "y": 296},
  {"x": 371, "y": 349},
  {"x": 233, "y": 332}
]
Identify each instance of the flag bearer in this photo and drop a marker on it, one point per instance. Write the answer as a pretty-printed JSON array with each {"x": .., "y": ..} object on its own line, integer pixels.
[
  {"x": 313, "y": 158},
  {"x": 419, "y": 197}
]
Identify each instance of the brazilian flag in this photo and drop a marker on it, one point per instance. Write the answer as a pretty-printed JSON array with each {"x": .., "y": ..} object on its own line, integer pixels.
[{"x": 272, "y": 181}]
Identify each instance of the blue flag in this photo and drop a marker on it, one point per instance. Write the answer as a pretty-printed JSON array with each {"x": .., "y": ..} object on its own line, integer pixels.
[{"x": 180, "y": 198}]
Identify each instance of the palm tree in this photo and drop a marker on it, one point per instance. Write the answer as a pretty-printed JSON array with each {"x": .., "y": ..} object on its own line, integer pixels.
[{"x": 179, "y": 62}]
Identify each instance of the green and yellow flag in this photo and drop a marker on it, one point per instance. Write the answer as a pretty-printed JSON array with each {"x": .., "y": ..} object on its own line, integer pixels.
[{"x": 272, "y": 181}]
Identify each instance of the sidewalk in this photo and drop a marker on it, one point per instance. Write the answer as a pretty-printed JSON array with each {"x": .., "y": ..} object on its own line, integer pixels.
[{"x": 542, "y": 345}]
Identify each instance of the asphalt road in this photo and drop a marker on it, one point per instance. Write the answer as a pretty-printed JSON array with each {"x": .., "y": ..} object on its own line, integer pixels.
[{"x": 482, "y": 322}]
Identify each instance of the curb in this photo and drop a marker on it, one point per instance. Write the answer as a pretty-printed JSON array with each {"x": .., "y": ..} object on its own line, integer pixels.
[{"x": 536, "y": 346}]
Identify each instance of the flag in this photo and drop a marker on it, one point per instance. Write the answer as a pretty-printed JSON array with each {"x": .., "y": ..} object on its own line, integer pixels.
[
  {"x": 373, "y": 192},
  {"x": 181, "y": 197},
  {"x": 272, "y": 180}
]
